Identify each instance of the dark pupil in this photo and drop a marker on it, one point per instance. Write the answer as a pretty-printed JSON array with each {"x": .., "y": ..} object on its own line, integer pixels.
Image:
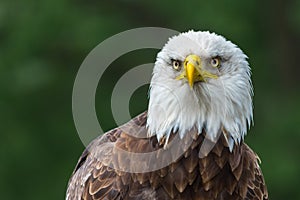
[{"x": 176, "y": 64}]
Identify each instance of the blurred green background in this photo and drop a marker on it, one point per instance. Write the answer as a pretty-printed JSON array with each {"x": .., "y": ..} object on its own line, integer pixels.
[{"x": 43, "y": 43}]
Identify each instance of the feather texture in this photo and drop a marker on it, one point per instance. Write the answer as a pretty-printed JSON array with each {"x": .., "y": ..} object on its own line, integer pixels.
[{"x": 219, "y": 175}]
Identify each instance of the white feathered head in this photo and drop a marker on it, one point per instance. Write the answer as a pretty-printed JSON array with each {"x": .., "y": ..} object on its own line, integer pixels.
[{"x": 200, "y": 80}]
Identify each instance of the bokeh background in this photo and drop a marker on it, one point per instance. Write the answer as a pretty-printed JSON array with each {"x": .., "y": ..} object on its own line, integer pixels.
[{"x": 43, "y": 43}]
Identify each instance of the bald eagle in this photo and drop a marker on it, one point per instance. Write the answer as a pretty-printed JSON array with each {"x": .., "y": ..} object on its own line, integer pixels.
[{"x": 200, "y": 108}]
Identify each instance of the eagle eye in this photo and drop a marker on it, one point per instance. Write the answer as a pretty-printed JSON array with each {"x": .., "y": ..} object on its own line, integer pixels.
[
  {"x": 176, "y": 64},
  {"x": 215, "y": 62}
]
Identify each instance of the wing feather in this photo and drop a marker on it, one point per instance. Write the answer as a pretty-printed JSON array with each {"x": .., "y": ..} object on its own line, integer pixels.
[
  {"x": 93, "y": 177},
  {"x": 220, "y": 175},
  {"x": 251, "y": 184}
]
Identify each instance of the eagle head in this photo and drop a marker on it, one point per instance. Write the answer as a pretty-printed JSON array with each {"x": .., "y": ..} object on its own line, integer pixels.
[{"x": 203, "y": 81}]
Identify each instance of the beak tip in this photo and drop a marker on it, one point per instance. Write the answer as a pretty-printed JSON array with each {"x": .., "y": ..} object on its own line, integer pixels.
[{"x": 191, "y": 84}]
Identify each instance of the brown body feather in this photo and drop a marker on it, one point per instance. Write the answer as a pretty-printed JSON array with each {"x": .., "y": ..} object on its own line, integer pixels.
[{"x": 219, "y": 175}]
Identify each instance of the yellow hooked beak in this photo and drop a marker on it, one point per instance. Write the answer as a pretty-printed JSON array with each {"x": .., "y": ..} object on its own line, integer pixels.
[{"x": 193, "y": 70}]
